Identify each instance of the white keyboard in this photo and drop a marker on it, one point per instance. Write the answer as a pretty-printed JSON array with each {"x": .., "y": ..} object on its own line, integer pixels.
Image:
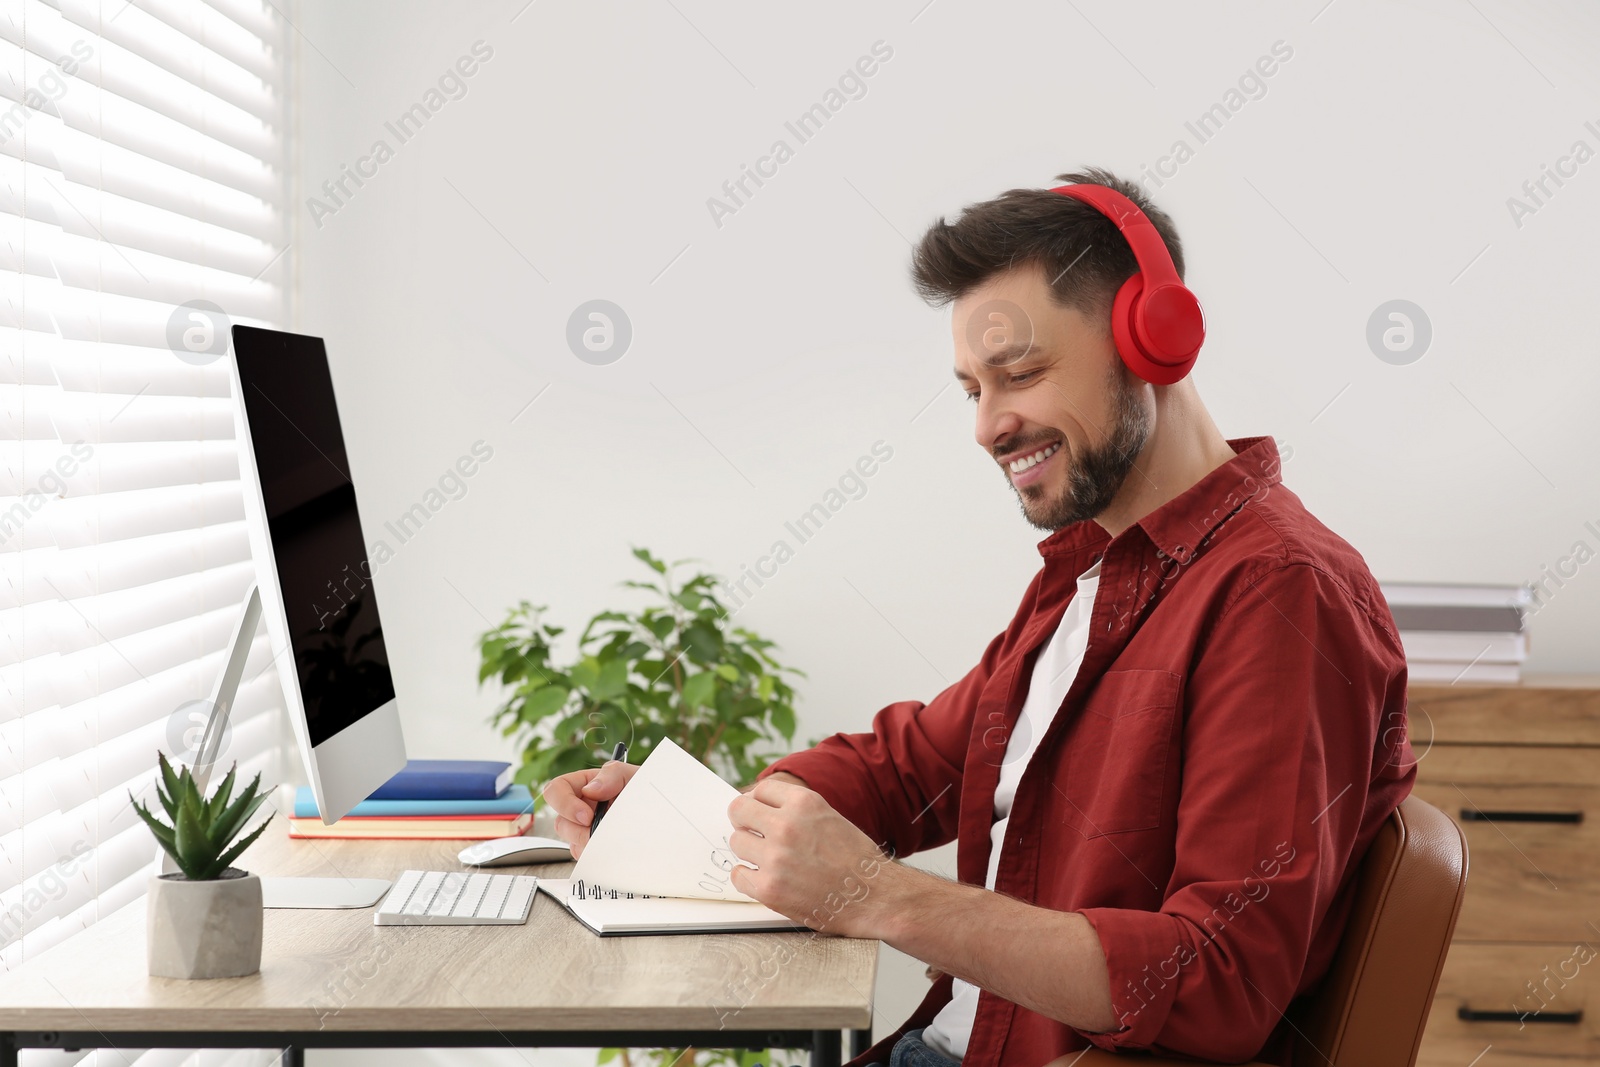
[{"x": 456, "y": 898}]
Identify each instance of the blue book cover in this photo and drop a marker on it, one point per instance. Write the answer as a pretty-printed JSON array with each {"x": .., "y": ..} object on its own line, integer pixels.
[
  {"x": 514, "y": 801},
  {"x": 446, "y": 779}
]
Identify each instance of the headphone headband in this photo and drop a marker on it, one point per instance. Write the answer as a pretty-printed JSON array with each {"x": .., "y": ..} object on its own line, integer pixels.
[{"x": 1156, "y": 322}]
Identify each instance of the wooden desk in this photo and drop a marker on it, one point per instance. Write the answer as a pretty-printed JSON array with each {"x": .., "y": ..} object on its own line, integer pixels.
[{"x": 331, "y": 979}]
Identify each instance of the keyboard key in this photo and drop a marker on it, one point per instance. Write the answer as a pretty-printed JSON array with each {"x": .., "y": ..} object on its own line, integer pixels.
[
  {"x": 423, "y": 895},
  {"x": 521, "y": 895},
  {"x": 495, "y": 897},
  {"x": 467, "y": 903},
  {"x": 445, "y": 898},
  {"x": 401, "y": 891}
]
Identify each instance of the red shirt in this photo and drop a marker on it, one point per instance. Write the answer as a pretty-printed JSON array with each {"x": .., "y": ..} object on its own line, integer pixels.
[{"x": 1233, "y": 740}]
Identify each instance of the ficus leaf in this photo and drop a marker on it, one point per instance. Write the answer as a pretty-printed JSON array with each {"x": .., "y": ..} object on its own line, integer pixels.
[
  {"x": 585, "y": 673},
  {"x": 613, "y": 680},
  {"x": 650, "y": 560},
  {"x": 543, "y": 702},
  {"x": 783, "y": 719},
  {"x": 697, "y": 691}
]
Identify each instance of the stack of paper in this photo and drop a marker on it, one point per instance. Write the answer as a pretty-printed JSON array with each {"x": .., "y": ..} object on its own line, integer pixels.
[{"x": 1461, "y": 633}]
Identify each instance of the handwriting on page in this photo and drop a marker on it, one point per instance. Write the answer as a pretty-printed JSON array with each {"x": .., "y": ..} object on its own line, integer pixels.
[{"x": 723, "y": 861}]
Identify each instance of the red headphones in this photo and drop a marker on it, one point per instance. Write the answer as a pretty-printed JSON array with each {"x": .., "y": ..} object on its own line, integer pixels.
[{"x": 1155, "y": 320}]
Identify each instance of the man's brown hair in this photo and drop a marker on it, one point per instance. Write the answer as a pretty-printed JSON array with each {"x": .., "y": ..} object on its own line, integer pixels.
[{"x": 1083, "y": 254}]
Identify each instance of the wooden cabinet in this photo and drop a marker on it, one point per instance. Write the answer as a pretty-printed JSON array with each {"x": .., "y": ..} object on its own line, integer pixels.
[
  {"x": 1518, "y": 767},
  {"x": 1486, "y": 999}
]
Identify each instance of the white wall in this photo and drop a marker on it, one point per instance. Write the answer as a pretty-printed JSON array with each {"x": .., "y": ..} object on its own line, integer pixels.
[{"x": 771, "y": 351}]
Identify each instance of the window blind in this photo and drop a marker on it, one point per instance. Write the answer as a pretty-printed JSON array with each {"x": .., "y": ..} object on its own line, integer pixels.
[{"x": 142, "y": 170}]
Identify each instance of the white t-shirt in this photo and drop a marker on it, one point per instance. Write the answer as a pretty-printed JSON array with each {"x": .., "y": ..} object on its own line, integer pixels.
[{"x": 1053, "y": 673}]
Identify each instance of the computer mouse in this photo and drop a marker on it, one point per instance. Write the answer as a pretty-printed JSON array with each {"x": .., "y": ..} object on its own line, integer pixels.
[{"x": 505, "y": 851}]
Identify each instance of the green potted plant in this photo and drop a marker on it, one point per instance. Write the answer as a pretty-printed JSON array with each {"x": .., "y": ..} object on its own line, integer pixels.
[
  {"x": 204, "y": 920},
  {"x": 676, "y": 667}
]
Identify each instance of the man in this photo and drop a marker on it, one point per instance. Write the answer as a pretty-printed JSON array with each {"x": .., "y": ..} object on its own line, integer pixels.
[{"x": 1163, "y": 774}]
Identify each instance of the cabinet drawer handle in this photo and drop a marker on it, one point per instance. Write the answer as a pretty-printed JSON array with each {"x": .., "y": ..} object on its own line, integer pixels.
[
  {"x": 1571, "y": 818},
  {"x": 1470, "y": 1015}
]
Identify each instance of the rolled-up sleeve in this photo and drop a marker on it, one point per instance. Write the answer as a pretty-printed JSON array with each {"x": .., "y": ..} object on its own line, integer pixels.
[{"x": 1287, "y": 768}]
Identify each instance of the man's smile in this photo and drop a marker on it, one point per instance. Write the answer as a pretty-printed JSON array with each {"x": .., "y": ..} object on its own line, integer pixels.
[{"x": 1031, "y": 467}]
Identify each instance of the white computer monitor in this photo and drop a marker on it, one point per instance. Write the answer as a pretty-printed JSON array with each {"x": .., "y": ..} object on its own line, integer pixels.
[{"x": 315, "y": 581}]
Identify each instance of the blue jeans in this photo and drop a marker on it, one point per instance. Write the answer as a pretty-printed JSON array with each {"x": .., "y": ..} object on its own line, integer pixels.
[{"x": 909, "y": 1051}]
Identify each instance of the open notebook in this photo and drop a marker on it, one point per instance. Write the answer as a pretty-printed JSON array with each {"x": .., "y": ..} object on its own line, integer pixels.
[
  {"x": 660, "y": 861},
  {"x": 610, "y": 911}
]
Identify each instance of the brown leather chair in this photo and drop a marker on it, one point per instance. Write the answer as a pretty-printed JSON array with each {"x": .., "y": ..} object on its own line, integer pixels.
[{"x": 1373, "y": 1004}]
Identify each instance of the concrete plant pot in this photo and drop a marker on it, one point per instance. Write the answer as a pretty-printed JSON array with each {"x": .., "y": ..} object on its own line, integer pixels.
[{"x": 208, "y": 929}]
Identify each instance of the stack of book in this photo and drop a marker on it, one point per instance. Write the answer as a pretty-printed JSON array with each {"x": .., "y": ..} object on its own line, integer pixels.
[
  {"x": 458, "y": 800},
  {"x": 1461, "y": 633}
]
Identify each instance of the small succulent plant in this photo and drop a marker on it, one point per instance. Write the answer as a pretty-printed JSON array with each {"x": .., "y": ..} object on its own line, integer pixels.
[{"x": 201, "y": 829}]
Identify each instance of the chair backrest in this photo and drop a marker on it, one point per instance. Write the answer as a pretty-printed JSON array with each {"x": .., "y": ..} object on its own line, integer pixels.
[{"x": 1371, "y": 1008}]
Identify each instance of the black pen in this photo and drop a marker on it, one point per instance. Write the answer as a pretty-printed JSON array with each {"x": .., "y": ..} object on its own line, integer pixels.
[{"x": 618, "y": 755}]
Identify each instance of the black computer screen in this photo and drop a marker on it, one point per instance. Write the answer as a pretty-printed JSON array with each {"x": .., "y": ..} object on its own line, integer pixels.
[{"x": 323, "y": 572}]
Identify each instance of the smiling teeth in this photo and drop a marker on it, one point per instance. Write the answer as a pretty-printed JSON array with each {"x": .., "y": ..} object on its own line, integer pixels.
[{"x": 1020, "y": 465}]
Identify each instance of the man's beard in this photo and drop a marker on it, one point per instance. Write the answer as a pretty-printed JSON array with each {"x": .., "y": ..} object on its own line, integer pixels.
[{"x": 1095, "y": 477}]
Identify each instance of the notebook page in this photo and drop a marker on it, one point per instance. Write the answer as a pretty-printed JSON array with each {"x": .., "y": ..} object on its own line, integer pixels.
[{"x": 667, "y": 833}]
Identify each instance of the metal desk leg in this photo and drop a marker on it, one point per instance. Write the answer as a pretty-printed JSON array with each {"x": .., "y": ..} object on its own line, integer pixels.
[
  {"x": 860, "y": 1041},
  {"x": 8, "y": 1050},
  {"x": 293, "y": 1056},
  {"x": 825, "y": 1048}
]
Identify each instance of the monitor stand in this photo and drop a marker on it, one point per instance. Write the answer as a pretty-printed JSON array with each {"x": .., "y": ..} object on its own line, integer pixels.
[{"x": 275, "y": 892}]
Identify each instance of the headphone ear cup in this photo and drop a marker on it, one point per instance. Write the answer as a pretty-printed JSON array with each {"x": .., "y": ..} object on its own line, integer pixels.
[
  {"x": 1122, "y": 312},
  {"x": 1126, "y": 323}
]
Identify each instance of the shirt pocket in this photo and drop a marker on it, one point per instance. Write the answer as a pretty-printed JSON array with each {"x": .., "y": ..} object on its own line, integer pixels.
[{"x": 1116, "y": 759}]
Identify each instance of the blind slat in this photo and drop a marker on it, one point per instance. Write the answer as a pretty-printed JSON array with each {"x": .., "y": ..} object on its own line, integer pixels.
[
  {"x": 144, "y": 35},
  {"x": 48, "y": 574},
  {"x": 137, "y": 718}
]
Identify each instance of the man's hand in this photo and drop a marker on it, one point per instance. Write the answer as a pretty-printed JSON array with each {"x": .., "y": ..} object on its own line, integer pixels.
[
  {"x": 573, "y": 797},
  {"x": 816, "y": 867},
  {"x": 776, "y": 776}
]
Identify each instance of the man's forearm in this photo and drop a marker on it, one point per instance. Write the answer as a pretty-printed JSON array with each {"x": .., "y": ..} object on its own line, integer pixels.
[
  {"x": 1047, "y": 961},
  {"x": 806, "y": 859}
]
